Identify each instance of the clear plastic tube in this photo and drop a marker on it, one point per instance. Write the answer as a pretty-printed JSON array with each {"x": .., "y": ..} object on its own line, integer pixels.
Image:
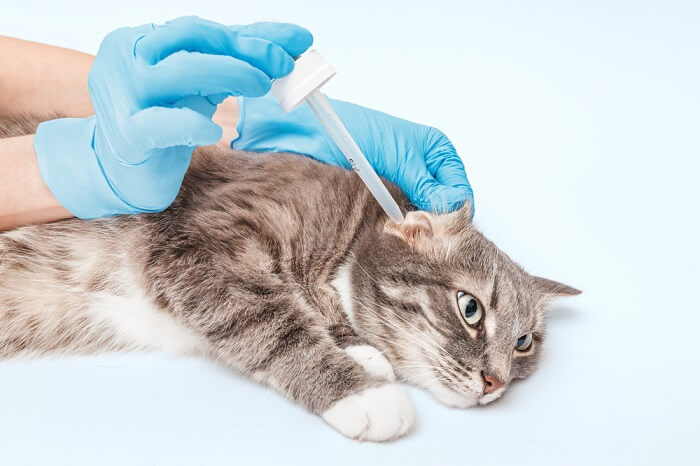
[{"x": 335, "y": 128}]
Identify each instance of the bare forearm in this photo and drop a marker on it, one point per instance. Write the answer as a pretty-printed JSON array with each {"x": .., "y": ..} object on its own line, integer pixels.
[
  {"x": 41, "y": 79},
  {"x": 24, "y": 198}
]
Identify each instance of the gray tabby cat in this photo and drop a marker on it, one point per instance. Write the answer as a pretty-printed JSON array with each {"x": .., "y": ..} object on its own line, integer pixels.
[{"x": 296, "y": 279}]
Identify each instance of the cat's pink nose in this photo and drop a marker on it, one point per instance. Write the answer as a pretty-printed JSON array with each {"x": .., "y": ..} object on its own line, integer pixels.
[{"x": 491, "y": 383}]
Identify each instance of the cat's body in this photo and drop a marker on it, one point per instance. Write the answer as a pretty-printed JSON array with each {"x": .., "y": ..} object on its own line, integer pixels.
[{"x": 286, "y": 270}]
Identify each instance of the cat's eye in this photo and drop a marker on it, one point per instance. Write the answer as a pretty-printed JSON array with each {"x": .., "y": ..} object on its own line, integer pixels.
[
  {"x": 470, "y": 308},
  {"x": 524, "y": 343}
]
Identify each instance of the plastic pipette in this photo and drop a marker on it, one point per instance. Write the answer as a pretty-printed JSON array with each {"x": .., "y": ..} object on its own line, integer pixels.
[{"x": 311, "y": 72}]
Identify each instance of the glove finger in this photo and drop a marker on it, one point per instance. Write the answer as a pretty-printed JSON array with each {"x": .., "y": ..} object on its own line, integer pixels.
[
  {"x": 192, "y": 34},
  {"x": 198, "y": 103},
  {"x": 418, "y": 184},
  {"x": 455, "y": 189},
  {"x": 193, "y": 73},
  {"x": 216, "y": 99},
  {"x": 161, "y": 127},
  {"x": 292, "y": 38},
  {"x": 448, "y": 169},
  {"x": 443, "y": 162}
]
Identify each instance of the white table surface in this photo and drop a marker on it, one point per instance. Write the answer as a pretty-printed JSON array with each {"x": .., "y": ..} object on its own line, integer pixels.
[{"x": 579, "y": 125}]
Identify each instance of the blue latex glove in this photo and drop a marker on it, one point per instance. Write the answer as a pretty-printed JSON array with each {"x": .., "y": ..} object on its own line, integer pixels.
[
  {"x": 419, "y": 159},
  {"x": 154, "y": 90}
]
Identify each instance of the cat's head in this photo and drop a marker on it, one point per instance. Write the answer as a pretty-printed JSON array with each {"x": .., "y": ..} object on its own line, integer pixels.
[{"x": 452, "y": 312}]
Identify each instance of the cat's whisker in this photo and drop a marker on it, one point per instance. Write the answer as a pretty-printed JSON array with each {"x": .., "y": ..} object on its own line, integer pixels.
[
  {"x": 432, "y": 369},
  {"x": 395, "y": 343},
  {"x": 408, "y": 379},
  {"x": 356, "y": 262},
  {"x": 439, "y": 352},
  {"x": 447, "y": 364},
  {"x": 420, "y": 380},
  {"x": 417, "y": 366},
  {"x": 424, "y": 383},
  {"x": 392, "y": 324},
  {"x": 410, "y": 336},
  {"x": 432, "y": 340},
  {"x": 458, "y": 379},
  {"x": 447, "y": 368}
]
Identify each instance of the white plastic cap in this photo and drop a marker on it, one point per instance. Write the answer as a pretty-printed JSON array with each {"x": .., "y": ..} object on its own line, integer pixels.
[{"x": 310, "y": 72}]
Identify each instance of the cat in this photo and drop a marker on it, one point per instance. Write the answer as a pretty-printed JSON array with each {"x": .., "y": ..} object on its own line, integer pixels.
[{"x": 286, "y": 270}]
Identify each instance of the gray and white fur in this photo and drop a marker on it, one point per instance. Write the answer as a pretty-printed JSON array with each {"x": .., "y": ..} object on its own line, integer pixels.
[{"x": 286, "y": 270}]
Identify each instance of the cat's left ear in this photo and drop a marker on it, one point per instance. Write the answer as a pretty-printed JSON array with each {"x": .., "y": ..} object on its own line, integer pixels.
[
  {"x": 552, "y": 288},
  {"x": 416, "y": 226}
]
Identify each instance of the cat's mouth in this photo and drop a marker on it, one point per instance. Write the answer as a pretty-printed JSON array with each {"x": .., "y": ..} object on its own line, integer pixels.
[
  {"x": 459, "y": 392},
  {"x": 464, "y": 393},
  {"x": 493, "y": 396}
]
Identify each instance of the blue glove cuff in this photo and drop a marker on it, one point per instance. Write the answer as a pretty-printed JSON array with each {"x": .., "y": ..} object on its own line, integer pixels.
[{"x": 70, "y": 168}]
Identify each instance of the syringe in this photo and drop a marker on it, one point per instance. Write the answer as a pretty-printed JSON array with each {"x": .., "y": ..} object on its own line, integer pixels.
[{"x": 311, "y": 72}]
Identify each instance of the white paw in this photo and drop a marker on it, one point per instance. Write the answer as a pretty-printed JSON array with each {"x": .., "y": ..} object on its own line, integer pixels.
[
  {"x": 372, "y": 360},
  {"x": 376, "y": 414}
]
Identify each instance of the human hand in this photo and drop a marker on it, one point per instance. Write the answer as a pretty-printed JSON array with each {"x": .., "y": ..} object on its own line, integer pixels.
[
  {"x": 419, "y": 159},
  {"x": 154, "y": 90}
]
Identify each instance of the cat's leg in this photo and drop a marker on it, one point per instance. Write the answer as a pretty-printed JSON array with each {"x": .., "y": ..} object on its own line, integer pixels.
[
  {"x": 281, "y": 342},
  {"x": 351, "y": 412},
  {"x": 333, "y": 301}
]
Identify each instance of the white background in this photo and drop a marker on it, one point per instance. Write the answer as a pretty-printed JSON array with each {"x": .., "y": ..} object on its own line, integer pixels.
[{"x": 578, "y": 123}]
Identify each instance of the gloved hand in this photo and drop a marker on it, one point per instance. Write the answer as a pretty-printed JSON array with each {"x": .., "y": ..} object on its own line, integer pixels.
[
  {"x": 419, "y": 159},
  {"x": 154, "y": 90}
]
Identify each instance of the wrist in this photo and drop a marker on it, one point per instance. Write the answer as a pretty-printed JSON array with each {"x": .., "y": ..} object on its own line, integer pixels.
[{"x": 70, "y": 168}]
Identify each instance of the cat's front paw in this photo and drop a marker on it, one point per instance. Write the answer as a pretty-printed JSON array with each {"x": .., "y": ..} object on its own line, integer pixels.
[{"x": 376, "y": 414}]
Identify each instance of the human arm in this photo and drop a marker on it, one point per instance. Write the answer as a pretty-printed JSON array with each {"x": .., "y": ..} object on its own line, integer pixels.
[
  {"x": 35, "y": 79},
  {"x": 39, "y": 79},
  {"x": 24, "y": 198}
]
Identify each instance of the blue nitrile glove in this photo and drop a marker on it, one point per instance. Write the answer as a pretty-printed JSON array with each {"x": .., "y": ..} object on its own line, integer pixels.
[
  {"x": 154, "y": 90},
  {"x": 419, "y": 159}
]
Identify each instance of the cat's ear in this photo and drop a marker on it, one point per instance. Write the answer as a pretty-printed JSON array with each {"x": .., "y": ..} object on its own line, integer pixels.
[
  {"x": 459, "y": 220},
  {"x": 552, "y": 288},
  {"x": 415, "y": 227},
  {"x": 466, "y": 212}
]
